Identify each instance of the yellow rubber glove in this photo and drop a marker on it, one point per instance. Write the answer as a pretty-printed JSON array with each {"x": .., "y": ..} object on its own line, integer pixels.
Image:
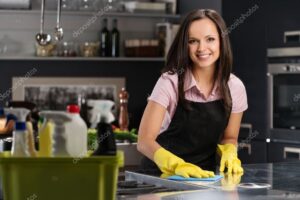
[
  {"x": 229, "y": 159},
  {"x": 169, "y": 165}
]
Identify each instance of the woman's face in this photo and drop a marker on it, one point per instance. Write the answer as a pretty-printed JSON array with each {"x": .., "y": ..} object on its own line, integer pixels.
[{"x": 204, "y": 43}]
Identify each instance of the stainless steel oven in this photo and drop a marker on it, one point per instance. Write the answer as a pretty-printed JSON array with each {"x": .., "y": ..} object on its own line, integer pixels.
[
  {"x": 284, "y": 103},
  {"x": 284, "y": 88}
]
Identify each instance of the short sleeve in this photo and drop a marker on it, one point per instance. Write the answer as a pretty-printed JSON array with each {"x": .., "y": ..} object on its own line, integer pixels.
[
  {"x": 164, "y": 92},
  {"x": 238, "y": 95}
]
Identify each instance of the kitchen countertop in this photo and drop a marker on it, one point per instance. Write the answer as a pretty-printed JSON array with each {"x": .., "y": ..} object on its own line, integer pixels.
[{"x": 273, "y": 181}]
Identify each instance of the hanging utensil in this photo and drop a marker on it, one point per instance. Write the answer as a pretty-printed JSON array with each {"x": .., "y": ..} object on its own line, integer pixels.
[
  {"x": 42, "y": 38},
  {"x": 58, "y": 31}
]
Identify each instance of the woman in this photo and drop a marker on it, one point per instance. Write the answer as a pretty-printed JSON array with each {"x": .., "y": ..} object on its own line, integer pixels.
[{"x": 196, "y": 104}]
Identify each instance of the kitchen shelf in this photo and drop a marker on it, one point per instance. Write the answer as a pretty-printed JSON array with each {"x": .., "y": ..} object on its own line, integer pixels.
[
  {"x": 129, "y": 59},
  {"x": 89, "y": 13}
]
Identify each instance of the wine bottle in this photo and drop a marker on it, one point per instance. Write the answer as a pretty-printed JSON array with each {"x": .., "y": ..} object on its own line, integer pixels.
[
  {"x": 104, "y": 40},
  {"x": 115, "y": 39}
]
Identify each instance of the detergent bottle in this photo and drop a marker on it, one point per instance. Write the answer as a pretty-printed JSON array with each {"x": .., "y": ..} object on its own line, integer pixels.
[
  {"x": 76, "y": 131},
  {"x": 101, "y": 118},
  {"x": 59, "y": 118}
]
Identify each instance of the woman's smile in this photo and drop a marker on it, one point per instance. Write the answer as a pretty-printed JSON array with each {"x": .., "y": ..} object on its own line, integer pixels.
[{"x": 203, "y": 56}]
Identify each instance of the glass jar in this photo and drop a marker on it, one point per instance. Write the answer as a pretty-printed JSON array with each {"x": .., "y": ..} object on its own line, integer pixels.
[
  {"x": 89, "y": 49},
  {"x": 45, "y": 51},
  {"x": 67, "y": 49},
  {"x": 69, "y": 5},
  {"x": 88, "y": 5}
]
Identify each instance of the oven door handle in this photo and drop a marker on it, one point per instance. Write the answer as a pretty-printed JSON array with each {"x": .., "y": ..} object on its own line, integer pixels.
[{"x": 290, "y": 150}]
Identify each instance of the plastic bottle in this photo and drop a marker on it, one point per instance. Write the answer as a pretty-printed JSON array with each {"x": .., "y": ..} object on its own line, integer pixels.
[
  {"x": 115, "y": 40},
  {"x": 59, "y": 118},
  {"x": 102, "y": 117},
  {"x": 20, "y": 137},
  {"x": 76, "y": 131},
  {"x": 19, "y": 146},
  {"x": 45, "y": 138},
  {"x": 104, "y": 40}
]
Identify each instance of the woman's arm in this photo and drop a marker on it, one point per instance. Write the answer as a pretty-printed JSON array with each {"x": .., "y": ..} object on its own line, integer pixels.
[
  {"x": 231, "y": 133},
  {"x": 228, "y": 147},
  {"x": 149, "y": 128}
]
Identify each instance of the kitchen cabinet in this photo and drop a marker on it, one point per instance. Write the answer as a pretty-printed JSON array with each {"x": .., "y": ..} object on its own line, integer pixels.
[
  {"x": 283, "y": 151},
  {"x": 250, "y": 148},
  {"x": 288, "y": 20},
  {"x": 252, "y": 152},
  {"x": 249, "y": 44},
  {"x": 264, "y": 28}
]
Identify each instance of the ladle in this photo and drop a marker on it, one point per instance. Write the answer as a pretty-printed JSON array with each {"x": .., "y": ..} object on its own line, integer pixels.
[
  {"x": 58, "y": 31},
  {"x": 42, "y": 38}
]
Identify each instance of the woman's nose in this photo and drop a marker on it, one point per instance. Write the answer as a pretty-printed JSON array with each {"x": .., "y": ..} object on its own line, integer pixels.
[{"x": 201, "y": 46}]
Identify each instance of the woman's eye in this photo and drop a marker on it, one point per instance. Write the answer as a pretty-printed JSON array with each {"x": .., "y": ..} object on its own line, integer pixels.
[
  {"x": 192, "y": 41},
  {"x": 211, "y": 39}
]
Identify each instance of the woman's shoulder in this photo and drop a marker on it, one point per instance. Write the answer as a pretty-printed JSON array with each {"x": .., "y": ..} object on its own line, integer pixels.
[
  {"x": 165, "y": 90},
  {"x": 170, "y": 79},
  {"x": 169, "y": 76},
  {"x": 235, "y": 82}
]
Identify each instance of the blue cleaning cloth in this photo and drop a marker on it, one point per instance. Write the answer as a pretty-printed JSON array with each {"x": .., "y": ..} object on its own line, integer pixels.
[{"x": 180, "y": 178}]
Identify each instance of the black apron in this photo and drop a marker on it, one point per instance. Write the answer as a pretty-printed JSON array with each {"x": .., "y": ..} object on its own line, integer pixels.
[{"x": 193, "y": 135}]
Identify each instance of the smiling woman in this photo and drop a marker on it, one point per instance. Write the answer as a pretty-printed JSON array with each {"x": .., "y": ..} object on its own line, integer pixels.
[
  {"x": 204, "y": 51},
  {"x": 196, "y": 107}
]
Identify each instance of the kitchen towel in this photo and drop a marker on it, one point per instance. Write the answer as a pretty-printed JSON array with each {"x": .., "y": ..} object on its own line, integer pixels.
[{"x": 180, "y": 178}]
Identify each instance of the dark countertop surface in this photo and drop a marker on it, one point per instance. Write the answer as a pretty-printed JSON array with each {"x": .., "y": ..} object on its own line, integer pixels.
[
  {"x": 272, "y": 181},
  {"x": 281, "y": 176}
]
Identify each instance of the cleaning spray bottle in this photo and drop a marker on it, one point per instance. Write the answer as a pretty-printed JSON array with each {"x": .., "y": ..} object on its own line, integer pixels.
[
  {"x": 45, "y": 137},
  {"x": 59, "y": 118},
  {"x": 20, "y": 145},
  {"x": 101, "y": 118}
]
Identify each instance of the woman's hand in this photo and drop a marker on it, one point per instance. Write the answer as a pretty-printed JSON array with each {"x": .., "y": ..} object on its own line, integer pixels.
[
  {"x": 229, "y": 159},
  {"x": 170, "y": 165},
  {"x": 8, "y": 128},
  {"x": 228, "y": 150}
]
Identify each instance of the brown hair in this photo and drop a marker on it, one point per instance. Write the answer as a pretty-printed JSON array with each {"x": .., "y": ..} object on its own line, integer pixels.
[{"x": 178, "y": 59}]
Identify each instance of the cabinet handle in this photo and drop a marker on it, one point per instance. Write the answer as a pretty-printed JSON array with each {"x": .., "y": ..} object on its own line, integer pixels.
[
  {"x": 246, "y": 126},
  {"x": 245, "y": 145},
  {"x": 290, "y": 150}
]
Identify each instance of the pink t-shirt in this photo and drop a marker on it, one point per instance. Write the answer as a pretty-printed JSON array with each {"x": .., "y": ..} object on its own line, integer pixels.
[{"x": 165, "y": 93}]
